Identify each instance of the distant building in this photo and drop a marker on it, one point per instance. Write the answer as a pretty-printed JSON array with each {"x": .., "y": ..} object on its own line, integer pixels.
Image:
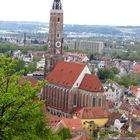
[
  {"x": 85, "y": 45},
  {"x": 101, "y": 65},
  {"x": 133, "y": 95},
  {"x": 75, "y": 57},
  {"x": 41, "y": 64},
  {"x": 113, "y": 91}
]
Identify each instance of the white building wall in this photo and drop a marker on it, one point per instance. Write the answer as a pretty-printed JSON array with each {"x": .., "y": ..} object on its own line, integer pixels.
[{"x": 81, "y": 76}]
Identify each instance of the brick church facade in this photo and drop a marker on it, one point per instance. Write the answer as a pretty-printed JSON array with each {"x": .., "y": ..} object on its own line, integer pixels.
[{"x": 70, "y": 85}]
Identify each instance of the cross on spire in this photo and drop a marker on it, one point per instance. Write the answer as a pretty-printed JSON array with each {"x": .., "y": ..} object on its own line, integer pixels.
[{"x": 57, "y": 5}]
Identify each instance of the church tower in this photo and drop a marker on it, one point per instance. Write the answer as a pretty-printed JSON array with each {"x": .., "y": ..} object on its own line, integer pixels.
[{"x": 55, "y": 37}]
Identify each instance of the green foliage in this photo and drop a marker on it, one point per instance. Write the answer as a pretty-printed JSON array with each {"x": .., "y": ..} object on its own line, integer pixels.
[
  {"x": 5, "y": 47},
  {"x": 20, "y": 118},
  {"x": 131, "y": 134},
  {"x": 104, "y": 134},
  {"x": 36, "y": 59},
  {"x": 30, "y": 68},
  {"x": 115, "y": 70},
  {"x": 20, "y": 65},
  {"x": 127, "y": 55},
  {"x": 64, "y": 133},
  {"x": 105, "y": 74},
  {"x": 127, "y": 81}
]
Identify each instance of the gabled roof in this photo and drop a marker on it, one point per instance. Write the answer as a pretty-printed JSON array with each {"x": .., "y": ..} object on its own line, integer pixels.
[
  {"x": 53, "y": 120},
  {"x": 65, "y": 73},
  {"x": 92, "y": 113},
  {"x": 72, "y": 124},
  {"x": 91, "y": 83}
]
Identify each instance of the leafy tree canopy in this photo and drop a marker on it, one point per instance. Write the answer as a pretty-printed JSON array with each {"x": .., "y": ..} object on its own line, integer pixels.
[
  {"x": 127, "y": 81},
  {"x": 20, "y": 116}
]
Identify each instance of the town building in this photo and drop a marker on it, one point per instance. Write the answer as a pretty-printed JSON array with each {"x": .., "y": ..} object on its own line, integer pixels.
[
  {"x": 85, "y": 46},
  {"x": 113, "y": 91},
  {"x": 76, "y": 57},
  {"x": 70, "y": 86},
  {"x": 88, "y": 115},
  {"x": 74, "y": 125}
]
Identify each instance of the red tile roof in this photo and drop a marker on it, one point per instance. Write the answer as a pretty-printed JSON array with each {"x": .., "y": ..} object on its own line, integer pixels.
[
  {"x": 30, "y": 79},
  {"x": 92, "y": 113},
  {"x": 136, "y": 69},
  {"x": 65, "y": 73},
  {"x": 125, "y": 107},
  {"x": 73, "y": 124},
  {"x": 53, "y": 120},
  {"x": 91, "y": 83},
  {"x": 81, "y": 138},
  {"x": 134, "y": 90},
  {"x": 136, "y": 112}
]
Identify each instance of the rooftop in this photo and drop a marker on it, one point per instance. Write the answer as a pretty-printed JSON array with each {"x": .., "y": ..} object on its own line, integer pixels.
[
  {"x": 31, "y": 79},
  {"x": 92, "y": 113},
  {"x": 65, "y": 73},
  {"x": 72, "y": 124},
  {"x": 91, "y": 83},
  {"x": 136, "y": 69}
]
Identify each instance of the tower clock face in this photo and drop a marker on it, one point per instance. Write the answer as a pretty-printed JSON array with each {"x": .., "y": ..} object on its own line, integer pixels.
[
  {"x": 49, "y": 44},
  {"x": 58, "y": 44}
]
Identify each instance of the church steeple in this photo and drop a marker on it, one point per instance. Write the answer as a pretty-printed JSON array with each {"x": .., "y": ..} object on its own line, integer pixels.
[
  {"x": 57, "y": 5},
  {"x": 55, "y": 36}
]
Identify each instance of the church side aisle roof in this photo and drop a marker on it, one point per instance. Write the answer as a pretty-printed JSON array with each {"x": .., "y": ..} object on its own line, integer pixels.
[
  {"x": 65, "y": 73},
  {"x": 91, "y": 83},
  {"x": 92, "y": 113}
]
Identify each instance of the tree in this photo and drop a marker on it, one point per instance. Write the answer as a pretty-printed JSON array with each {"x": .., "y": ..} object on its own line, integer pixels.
[
  {"x": 127, "y": 81},
  {"x": 20, "y": 116},
  {"x": 64, "y": 133},
  {"x": 115, "y": 70},
  {"x": 105, "y": 74},
  {"x": 30, "y": 68}
]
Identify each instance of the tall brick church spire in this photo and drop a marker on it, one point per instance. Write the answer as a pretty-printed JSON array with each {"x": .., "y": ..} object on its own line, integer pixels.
[{"x": 55, "y": 36}]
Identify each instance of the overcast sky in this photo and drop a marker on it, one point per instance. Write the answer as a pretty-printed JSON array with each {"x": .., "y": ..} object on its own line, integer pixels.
[{"x": 103, "y": 12}]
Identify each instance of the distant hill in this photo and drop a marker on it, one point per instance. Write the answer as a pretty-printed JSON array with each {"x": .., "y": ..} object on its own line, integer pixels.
[
  {"x": 43, "y": 27},
  {"x": 23, "y": 26}
]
